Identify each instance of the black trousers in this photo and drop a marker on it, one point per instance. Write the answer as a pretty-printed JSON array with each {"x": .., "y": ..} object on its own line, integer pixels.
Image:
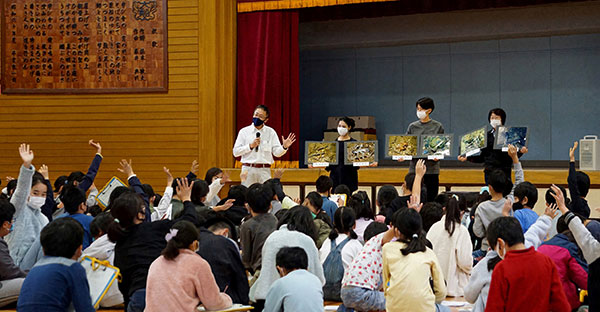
[{"x": 432, "y": 184}]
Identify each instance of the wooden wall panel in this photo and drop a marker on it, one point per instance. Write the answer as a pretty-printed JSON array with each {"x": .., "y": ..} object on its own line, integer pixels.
[{"x": 194, "y": 120}]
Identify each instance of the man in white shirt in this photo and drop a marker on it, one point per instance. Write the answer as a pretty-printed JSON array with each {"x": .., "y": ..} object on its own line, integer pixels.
[{"x": 257, "y": 144}]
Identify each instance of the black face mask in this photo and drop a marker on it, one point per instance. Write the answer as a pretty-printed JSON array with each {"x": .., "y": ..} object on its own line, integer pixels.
[{"x": 517, "y": 206}]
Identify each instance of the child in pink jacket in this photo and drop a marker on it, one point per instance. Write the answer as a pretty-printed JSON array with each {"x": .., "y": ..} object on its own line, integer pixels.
[{"x": 179, "y": 280}]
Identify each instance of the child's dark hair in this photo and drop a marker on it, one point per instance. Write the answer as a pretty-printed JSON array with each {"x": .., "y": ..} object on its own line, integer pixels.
[
  {"x": 211, "y": 173},
  {"x": 386, "y": 194},
  {"x": 125, "y": 210},
  {"x": 259, "y": 198},
  {"x": 182, "y": 235},
  {"x": 220, "y": 225},
  {"x": 72, "y": 197},
  {"x": 374, "y": 229},
  {"x": 148, "y": 190},
  {"x": 362, "y": 206},
  {"x": 527, "y": 189},
  {"x": 100, "y": 224},
  {"x": 509, "y": 230},
  {"x": 442, "y": 199},
  {"x": 348, "y": 121},
  {"x": 199, "y": 192},
  {"x": 238, "y": 193},
  {"x": 264, "y": 108},
  {"x": 344, "y": 189},
  {"x": 62, "y": 237},
  {"x": 324, "y": 184},
  {"x": 456, "y": 205},
  {"x": 59, "y": 182},
  {"x": 431, "y": 213},
  {"x": 7, "y": 211},
  {"x": 561, "y": 224},
  {"x": 277, "y": 188},
  {"x": 94, "y": 210},
  {"x": 116, "y": 193},
  {"x": 344, "y": 220},
  {"x": 315, "y": 199},
  {"x": 274, "y": 188},
  {"x": 38, "y": 178},
  {"x": 409, "y": 179},
  {"x": 299, "y": 219},
  {"x": 498, "y": 180},
  {"x": 583, "y": 183},
  {"x": 497, "y": 111},
  {"x": 292, "y": 258},
  {"x": 426, "y": 103},
  {"x": 157, "y": 199},
  {"x": 550, "y": 200},
  {"x": 11, "y": 186},
  {"x": 408, "y": 222}
]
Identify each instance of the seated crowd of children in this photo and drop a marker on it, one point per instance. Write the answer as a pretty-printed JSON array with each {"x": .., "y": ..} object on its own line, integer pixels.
[{"x": 259, "y": 247}]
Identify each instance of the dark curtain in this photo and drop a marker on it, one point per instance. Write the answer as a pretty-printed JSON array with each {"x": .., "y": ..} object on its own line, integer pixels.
[{"x": 268, "y": 71}]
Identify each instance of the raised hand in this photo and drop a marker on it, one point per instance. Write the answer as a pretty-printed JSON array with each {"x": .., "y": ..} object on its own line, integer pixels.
[
  {"x": 524, "y": 150},
  {"x": 507, "y": 208},
  {"x": 244, "y": 176},
  {"x": 96, "y": 145},
  {"x": 278, "y": 174},
  {"x": 415, "y": 203},
  {"x": 560, "y": 198},
  {"x": 462, "y": 158},
  {"x": 572, "y": 151},
  {"x": 9, "y": 178},
  {"x": 289, "y": 141},
  {"x": 420, "y": 168},
  {"x": 512, "y": 152},
  {"x": 228, "y": 204},
  {"x": 195, "y": 167},
  {"x": 169, "y": 176},
  {"x": 126, "y": 167},
  {"x": 551, "y": 211},
  {"x": 44, "y": 171},
  {"x": 184, "y": 189},
  {"x": 26, "y": 155}
]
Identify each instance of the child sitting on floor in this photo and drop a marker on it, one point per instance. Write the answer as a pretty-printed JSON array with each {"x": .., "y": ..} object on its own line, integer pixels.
[
  {"x": 180, "y": 279},
  {"x": 297, "y": 289},
  {"x": 11, "y": 276},
  {"x": 58, "y": 282},
  {"x": 526, "y": 196},
  {"x": 525, "y": 280}
]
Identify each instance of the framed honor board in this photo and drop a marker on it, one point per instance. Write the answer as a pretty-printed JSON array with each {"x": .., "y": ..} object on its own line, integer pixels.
[
  {"x": 321, "y": 154},
  {"x": 84, "y": 46},
  {"x": 360, "y": 153}
]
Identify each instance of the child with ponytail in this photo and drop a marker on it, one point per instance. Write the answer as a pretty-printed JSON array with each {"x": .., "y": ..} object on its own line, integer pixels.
[
  {"x": 452, "y": 246},
  {"x": 409, "y": 266},
  {"x": 180, "y": 279}
]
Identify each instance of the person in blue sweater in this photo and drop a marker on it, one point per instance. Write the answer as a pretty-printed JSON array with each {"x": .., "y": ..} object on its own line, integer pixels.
[
  {"x": 75, "y": 205},
  {"x": 526, "y": 195},
  {"x": 324, "y": 185},
  {"x": 58, "y": 282}
]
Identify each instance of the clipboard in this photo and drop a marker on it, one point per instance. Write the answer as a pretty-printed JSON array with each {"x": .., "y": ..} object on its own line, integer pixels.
[
  {"x": 104, "y": 194},
  {"x": 100, "y": 275},
  {"x": 234, "y": 308}
]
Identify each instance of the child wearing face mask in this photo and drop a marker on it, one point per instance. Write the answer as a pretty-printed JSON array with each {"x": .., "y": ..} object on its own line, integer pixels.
[
  {"x": 525, "y": 280},
  {"x": 490, "y": 157},
  {"x": 426, "y": 125},
  {"x": 180, "y": 279},
  {"x": 28, "y": 199}
]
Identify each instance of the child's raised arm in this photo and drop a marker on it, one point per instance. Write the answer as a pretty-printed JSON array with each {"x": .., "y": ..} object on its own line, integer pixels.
[
  {"x": 21, "y": 194},
  {"x": 89, "y": 177}
]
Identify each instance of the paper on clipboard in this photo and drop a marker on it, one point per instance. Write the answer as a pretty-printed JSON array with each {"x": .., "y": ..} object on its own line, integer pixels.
[
  {"x": 234, "y": 308},
  {"x": 100, "y": 275},
  {"x": 104, "y": 194}
]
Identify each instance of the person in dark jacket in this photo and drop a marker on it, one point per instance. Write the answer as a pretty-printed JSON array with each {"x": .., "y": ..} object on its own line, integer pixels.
[{"x": 11, "y": 276}]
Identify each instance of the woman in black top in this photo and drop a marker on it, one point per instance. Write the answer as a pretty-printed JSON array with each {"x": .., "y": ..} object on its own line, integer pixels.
[{"x": 139, "y": 243}]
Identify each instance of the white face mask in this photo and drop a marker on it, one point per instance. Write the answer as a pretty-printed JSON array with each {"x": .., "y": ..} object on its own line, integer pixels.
[
  {"x": 342, "y": 131},
  {"x": 421, "y": 114},
  {"x": 495, "y": 123},
  {"x": 36, "y": 202}
]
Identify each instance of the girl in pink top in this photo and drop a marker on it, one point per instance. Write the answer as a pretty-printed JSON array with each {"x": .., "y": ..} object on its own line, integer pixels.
[{"x": 179, "y": 280}]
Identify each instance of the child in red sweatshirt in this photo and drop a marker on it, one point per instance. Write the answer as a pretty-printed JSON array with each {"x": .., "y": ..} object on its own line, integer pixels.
[{"x": 525, "y": 280}]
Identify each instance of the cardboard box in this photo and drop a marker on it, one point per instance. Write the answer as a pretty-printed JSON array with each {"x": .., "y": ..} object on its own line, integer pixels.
[{"x": 362, "y": 122}]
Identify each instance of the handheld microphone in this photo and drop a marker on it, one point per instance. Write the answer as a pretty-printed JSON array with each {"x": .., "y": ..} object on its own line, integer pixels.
[{"x": 257, "y": 136}]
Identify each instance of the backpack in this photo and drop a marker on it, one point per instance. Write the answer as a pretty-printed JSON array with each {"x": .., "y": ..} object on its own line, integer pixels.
[{"x": 333, "y": 269}]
